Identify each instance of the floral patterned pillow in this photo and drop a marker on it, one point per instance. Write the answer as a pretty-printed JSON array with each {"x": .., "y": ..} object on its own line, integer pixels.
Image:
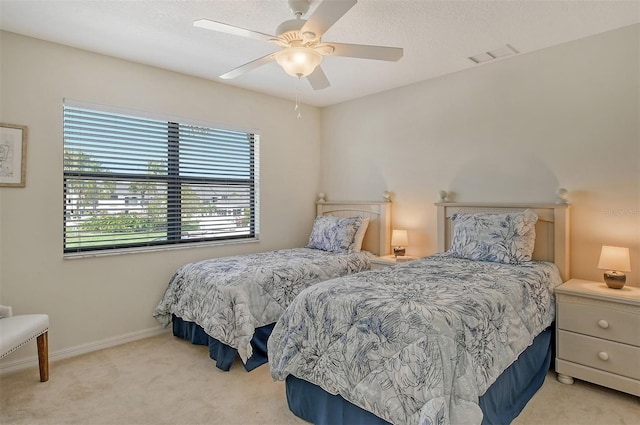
[
  {"x": 334, "y": 234},
  {"x": 502, "y": 238}
]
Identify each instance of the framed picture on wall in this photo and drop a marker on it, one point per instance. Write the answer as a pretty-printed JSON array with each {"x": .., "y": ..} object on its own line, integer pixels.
[{"x": 13, "y": 155}]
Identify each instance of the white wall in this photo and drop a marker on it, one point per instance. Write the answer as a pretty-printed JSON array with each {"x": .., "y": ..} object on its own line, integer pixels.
[
  {"x": 513, "y": 130},
  {"x": 98, "y": 299}
]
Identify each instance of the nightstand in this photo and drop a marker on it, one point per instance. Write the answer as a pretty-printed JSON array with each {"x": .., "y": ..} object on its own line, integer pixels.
[
  {"x": 598, "y": 335},
  {"x": 389, "y": 260}
]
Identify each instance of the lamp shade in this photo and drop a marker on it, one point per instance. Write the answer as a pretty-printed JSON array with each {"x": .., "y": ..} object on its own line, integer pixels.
[
  {"x": 298, "y": 61},
  {"x": 614, "y": 258},
  {"x": 399, "y": 238}
]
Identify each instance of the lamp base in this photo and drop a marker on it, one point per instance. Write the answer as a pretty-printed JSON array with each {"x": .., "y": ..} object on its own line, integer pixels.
[
  {"x": 398, "y": 252},
  {"x": 615, "y": 280}
]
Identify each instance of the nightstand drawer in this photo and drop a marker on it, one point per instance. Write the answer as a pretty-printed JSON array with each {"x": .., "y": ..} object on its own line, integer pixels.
[
  {"x": 609, "y": 356},
  {"x": 600, "y": 321}
]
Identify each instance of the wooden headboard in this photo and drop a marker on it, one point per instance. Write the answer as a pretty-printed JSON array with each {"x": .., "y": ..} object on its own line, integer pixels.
[
  {"x": 552, "y": 228},
  {"x": 377, "y": 240}
]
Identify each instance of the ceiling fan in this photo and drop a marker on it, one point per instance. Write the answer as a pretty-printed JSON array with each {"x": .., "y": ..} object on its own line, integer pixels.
[{"x": 300, "y": 39}]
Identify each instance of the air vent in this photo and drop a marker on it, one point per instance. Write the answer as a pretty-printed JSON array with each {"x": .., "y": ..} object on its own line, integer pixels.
[{"x": 499, "y": 52}]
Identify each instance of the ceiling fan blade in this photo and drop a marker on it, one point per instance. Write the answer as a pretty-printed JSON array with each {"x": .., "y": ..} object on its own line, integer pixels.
[
  {"x": 230, "y": 29},
  {"x": 367, "y": 52},
  {"x": 318, "y": 79},
  {"x": 248, "y": 66},
  {"x": 326, "y": 14}
]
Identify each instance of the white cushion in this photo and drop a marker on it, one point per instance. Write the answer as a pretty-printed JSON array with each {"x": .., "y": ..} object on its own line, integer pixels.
[
  {"x": 5, "y": 311},
  {"x": 357, "y": 240},
  {"x": 16, "y": 331}
]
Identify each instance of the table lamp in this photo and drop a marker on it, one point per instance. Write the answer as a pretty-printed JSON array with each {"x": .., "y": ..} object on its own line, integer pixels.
[
  {"x": 399, "y": 241},
  {"x": 615, "y": 260}
]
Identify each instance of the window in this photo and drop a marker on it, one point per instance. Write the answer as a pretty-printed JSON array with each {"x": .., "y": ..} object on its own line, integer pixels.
[{"x": 134, "y": 181}]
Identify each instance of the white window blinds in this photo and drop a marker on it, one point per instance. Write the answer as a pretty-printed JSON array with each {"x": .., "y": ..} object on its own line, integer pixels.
[{"x": 134, "y": 181}]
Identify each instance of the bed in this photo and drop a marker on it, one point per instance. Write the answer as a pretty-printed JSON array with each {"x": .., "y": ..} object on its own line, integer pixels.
[
  {"x": 460, "y": 337},
  {"x": 232, "y": 303}
]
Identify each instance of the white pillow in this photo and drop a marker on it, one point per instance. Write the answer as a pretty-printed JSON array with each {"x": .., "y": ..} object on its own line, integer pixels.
[{"x": 357, "y": 240}]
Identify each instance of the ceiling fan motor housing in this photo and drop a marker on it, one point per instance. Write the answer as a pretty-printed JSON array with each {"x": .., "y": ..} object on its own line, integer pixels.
[
  {"x": 289, "y": 34},
  {"x": 289, "y": 30}
]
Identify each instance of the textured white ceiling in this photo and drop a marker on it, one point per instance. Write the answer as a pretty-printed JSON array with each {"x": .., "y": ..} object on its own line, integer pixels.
[{"x": 437, "y": 36}]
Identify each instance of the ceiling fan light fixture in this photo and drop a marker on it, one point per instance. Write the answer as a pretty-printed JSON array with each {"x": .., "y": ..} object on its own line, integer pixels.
[{"x": 298, "y": 61}]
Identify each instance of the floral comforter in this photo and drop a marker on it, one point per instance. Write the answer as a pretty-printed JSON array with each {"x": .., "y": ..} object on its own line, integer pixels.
[
  {"x": 417, "y": 343},
  {"x": 230, "y": 297}
]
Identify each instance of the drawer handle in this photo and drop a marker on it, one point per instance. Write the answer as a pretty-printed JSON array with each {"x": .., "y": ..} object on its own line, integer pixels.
[
  {"x": 603, "y": 356},
  {"x": 603, "y": 324}
]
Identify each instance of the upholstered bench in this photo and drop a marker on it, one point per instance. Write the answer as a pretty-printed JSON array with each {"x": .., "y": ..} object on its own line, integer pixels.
[{"x": 16, "y": 331}]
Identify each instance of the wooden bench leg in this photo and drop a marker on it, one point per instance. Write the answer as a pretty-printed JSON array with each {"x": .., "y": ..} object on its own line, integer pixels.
[{"x": 43, "y": 356}]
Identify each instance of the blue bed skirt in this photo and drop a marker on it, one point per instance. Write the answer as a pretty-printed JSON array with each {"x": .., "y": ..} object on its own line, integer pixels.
[
  {"x": 223, "y": 354},
  {"x": 502, "y": 402}
]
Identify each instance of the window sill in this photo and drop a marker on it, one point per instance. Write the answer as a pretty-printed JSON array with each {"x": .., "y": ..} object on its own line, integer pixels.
[{"x": 126, "y": 251}]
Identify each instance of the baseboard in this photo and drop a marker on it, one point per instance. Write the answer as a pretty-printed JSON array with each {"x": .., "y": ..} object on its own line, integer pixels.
[{"x": 32, "y": 361}]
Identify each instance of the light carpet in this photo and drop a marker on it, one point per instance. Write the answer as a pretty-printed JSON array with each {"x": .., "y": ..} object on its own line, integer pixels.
[{"x": 165, "y": 380}]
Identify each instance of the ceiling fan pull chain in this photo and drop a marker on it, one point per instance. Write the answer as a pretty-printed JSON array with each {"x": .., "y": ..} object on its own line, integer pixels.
[{"x": 297, "y": 107}]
